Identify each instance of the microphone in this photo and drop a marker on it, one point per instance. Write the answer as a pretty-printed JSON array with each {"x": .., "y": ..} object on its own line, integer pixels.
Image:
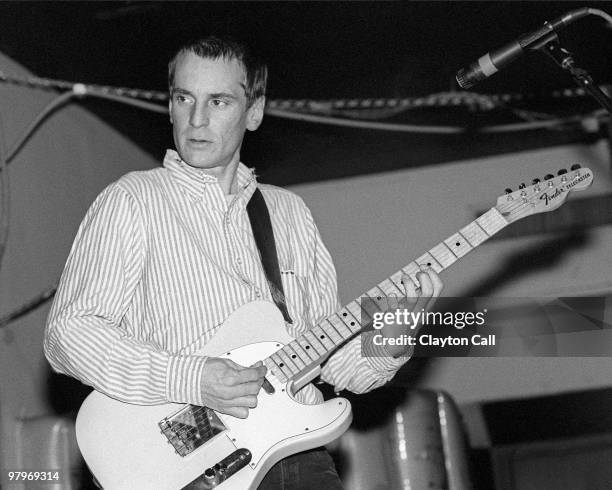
[{"x": 494, "y": 61}]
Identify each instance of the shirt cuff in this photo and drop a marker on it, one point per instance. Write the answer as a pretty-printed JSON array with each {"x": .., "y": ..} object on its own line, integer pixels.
[
  {"x": 378, "y": 357},
  {"x": 184, "y": 379}
]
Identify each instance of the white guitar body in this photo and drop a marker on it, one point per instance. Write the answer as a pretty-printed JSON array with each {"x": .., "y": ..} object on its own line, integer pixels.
[{"x": 124, "y": 446}]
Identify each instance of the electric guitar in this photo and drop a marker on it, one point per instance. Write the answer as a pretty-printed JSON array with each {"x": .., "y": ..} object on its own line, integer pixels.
[{"x": 174, "y": 446}]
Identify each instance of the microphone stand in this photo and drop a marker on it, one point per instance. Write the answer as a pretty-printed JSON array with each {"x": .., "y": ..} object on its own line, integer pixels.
[{"x": 562, "y": 57}]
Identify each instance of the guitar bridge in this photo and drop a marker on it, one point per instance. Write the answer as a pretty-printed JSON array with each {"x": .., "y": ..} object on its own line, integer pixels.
[{"x": 190, "y": 427}]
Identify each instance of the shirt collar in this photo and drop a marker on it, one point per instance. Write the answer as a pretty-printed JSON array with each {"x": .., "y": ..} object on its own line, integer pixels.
[{"x": 196, "y": 180}]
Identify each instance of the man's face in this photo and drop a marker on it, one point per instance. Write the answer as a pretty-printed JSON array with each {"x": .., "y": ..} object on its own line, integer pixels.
[{"x": 208, "y": 110}]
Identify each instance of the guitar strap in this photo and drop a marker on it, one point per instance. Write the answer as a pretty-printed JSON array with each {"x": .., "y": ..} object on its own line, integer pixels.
[{"x": 264, "y": 238}]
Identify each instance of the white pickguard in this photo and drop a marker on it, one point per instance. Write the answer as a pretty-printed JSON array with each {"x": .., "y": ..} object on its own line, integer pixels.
[{"x": 125, "y": 449}]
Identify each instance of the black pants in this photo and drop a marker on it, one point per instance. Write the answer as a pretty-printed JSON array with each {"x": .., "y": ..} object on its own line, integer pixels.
[{"x": 309, "y": 470}]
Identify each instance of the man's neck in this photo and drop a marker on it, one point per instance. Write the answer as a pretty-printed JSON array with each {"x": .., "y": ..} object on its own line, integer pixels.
[{"x": 227, "y": 177}]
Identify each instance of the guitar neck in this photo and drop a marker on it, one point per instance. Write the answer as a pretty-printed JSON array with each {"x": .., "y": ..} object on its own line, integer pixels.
[{"x": 313, "y": 347}]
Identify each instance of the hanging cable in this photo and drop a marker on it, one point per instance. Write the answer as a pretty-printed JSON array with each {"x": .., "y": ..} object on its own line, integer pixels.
[
  {"x": 4, "y": 189},
  {"x": 28, "y": 307},
  {"x": 411, "y": 128},
  {"x": 84, "y": 90},
  {"x": 54, "y": 104}
]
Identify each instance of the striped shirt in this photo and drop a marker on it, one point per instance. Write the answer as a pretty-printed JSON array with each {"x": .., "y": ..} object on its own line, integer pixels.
[{"x": 160, "y": 260}]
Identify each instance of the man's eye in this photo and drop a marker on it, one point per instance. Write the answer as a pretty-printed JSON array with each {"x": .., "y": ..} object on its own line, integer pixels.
[
  {"x": 181, "y": 98},
  {"x": 218, "y": 102}
]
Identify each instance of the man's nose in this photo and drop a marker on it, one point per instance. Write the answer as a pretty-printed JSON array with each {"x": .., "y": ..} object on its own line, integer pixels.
[{"x": 199, "y": 116}]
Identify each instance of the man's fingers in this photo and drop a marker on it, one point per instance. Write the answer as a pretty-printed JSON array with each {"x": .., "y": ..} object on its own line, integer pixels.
[
  {"x": 247, "y": 375},
  {"x": 242, "y": 375},
  {"x": 242, "y": 401},
  {"x": 410, "y": 289},
  {"x": 239, "y": 412},
  {"x": 227, "y": 393},
  {"x": 434, "y": 287}
]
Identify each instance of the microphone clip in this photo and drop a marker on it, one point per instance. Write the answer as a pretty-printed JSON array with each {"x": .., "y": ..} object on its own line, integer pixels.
[{"x": 551, "y": 46}]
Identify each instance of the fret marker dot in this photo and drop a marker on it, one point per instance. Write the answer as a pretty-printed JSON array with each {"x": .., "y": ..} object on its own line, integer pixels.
[
  {"x": 344, "y": 314},
  {"x": 307, "y": 347},
  {"x": 281, "y": 365},
  {"x": 429, "y": 264},
  {"x": 458, "y": 244},
  {"x": 352, "y": 323},
  {"x": 322, "y": 337},
  {"x": 293, "y": 356}
]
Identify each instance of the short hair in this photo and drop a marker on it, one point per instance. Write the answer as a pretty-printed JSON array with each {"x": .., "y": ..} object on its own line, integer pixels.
[{"x": 213, "y": 47}]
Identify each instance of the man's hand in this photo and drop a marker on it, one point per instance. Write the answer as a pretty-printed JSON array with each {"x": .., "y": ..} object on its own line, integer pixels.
[
  {"x": 230, "y": 388},
  {"x": 415, "y": 300}
]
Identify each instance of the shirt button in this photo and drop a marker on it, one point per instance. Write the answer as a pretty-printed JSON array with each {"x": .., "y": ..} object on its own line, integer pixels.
[{"x": 258, "y": 294}]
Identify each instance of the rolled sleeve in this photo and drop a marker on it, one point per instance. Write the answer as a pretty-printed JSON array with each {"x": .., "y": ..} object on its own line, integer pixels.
[{"x": 184, "y": 379}]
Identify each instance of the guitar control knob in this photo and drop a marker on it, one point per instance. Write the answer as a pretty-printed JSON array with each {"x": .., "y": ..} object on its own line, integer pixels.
[
  {"x": 576, "y": 166},
  {"x": 522, "y": 185},
  {"x": 562, "y": 172},
  {"x": 535, "y": 181},
  {"x": 508, "y": 191},
  {"x": 548, "y": 176}
]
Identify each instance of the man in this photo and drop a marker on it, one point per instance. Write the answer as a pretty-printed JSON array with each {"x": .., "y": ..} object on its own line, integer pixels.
[{"x": 164, "y": 256}]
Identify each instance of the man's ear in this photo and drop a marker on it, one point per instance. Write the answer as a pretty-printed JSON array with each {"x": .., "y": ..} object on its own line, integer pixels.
[
  {"x": 255, "y": 114},
  {"x": 170, "y": 109}
]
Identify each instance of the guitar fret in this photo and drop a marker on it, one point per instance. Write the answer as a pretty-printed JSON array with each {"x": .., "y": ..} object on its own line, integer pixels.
[
  {"x": 354, "y": 308},
  {"x": 375, "y": 291},
  {"x": 397, "y": 280},
  {"x": 288, "y": 361},
  {"x": 391, "y": 288},
  {"x": 295, "y": 358},
  {"x": 308, "y": 349},
  {"x": 297, "y": 348},
  {"x": 315, "y": 343},
  {"x": 370, "y": 306},
  {"x": 331, "y": 332},
  {"x": 352, "y": 323},
  {"x": 271, "y": 365},
  {"x": 387, "y": 288},
  {"x": 458, "y": 245},
  {"x": 443, "y": 255},
  {"x": 381, "y": 303},
  {"x": 428, "y": 260},
  {"x": 411, "y": 271},
  {"x": 281, "y": 365},
  {"x": 322, "y": 337},
  {"x": 342, "y": 334},
  {"x": 492, "y": 221},
  {"x": 342, "y": 328},
  {"x": 474, "y": 233}
]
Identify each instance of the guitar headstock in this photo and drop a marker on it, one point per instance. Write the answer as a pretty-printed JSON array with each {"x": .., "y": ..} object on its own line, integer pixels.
[{"x": 543, "y": 196}]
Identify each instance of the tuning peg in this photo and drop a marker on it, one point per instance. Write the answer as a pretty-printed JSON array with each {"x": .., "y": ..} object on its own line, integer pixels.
[
  {"x": 576, "y": 166},
  {"x": 562, "y": 171},
  {"x": 522, "y": 185},
  {"x": 508, "y": 191},
  {"x": 548, "y": 176},
  {"x": 535, "y": 181}
]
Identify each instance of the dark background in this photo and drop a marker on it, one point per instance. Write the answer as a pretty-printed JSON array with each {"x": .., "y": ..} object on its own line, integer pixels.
[{"x": 322, "y": 50}]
